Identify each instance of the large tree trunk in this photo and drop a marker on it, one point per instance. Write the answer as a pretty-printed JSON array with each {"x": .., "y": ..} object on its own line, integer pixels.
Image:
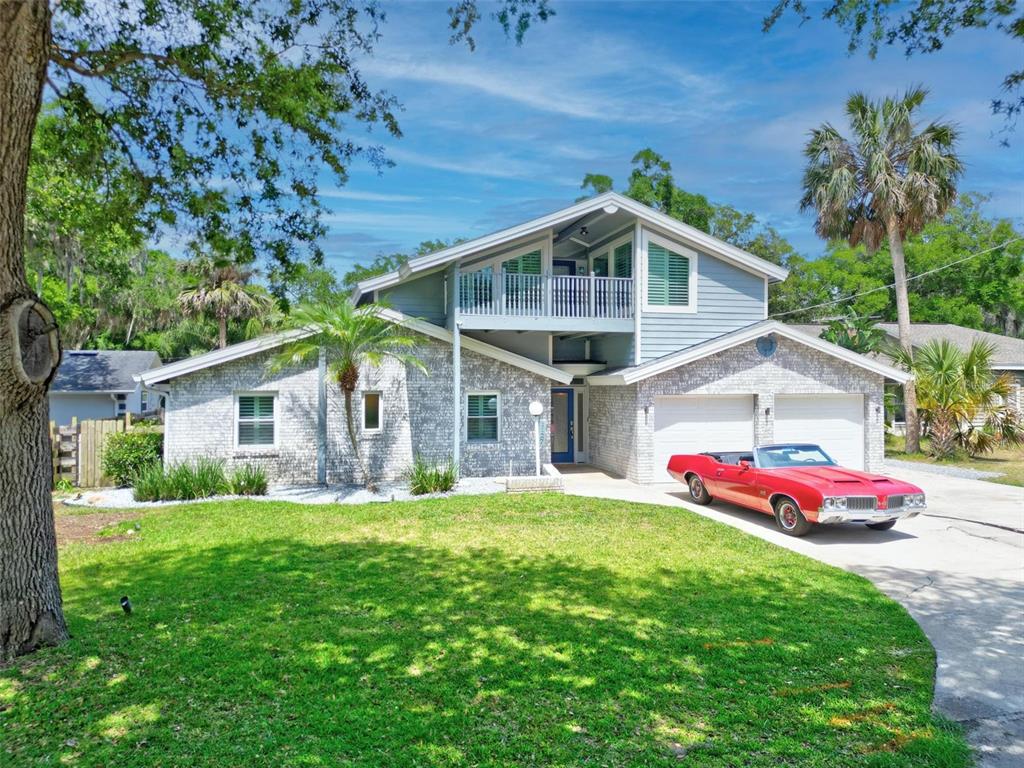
[
  {"x": 222, "y": 332},
  {"x": 353, "y": 439},
  {"x": 899, "y": 269},
  {"x": 30, "y": 601}
]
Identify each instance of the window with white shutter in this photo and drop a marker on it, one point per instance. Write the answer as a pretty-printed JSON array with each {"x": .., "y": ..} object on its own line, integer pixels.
[
  {"x": 668, "y": 278},
  {"x": 255, "y": 419}
]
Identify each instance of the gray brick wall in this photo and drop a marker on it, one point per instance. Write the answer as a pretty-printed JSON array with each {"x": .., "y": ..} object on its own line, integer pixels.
[
  {"x": 417, "y": 417},
  {"x": 613, "y": 429},
  {"x": 626, "y": 414}
]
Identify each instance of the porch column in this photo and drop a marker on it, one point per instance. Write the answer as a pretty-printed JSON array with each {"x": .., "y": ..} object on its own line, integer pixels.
[
  {"x": 321, "y": 418},
  {"x": 456, "y": 394},
  {"x": 455, "y": 324}
]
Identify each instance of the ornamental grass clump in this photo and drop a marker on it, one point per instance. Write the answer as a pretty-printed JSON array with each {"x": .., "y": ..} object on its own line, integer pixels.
[
  {"x": 248, "y": 480},
  {"x": 431, "y": 478},
  {"x": 181, "y": 482}
]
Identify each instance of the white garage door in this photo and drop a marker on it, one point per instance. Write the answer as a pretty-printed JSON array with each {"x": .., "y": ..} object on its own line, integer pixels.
[
  {"x": 835, "y": 422},
  {"x": 698, "y": 423}
]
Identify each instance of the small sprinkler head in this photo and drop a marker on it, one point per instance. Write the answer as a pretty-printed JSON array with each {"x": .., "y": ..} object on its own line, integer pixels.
[{"x": 126, "y": 604}]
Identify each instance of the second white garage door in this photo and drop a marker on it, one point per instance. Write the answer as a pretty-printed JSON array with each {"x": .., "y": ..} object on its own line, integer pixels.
[
  {"x": 698, "y": 423},
  {"x": 835, "y": 422}
]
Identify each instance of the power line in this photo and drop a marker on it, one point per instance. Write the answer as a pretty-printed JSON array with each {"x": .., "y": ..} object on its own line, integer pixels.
[{"x": 890, "y": 285}]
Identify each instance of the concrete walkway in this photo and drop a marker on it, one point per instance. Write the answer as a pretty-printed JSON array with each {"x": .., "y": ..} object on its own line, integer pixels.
[{"x": 959, "y": 570}]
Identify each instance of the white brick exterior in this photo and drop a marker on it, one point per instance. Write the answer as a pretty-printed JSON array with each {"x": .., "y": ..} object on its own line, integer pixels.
[
  {"x": 622, "y": 418},
  {"x": 417, "y": 417}
]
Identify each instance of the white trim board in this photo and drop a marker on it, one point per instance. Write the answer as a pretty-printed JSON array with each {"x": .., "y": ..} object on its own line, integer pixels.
[
  {"x": 608, "y": 202},
  {"x": 264, "y": 343},
  {"x": 730, "y": 340}
]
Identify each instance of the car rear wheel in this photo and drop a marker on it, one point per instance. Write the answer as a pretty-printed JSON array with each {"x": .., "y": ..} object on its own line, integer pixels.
[
  {"x": 882, "y": 526},
  {"x": 697, "y": 490},
  {"x": 790, "y": 519}
]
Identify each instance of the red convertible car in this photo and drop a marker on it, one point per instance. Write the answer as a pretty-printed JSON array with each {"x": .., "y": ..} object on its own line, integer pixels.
[{"x": 798, "y": 485}]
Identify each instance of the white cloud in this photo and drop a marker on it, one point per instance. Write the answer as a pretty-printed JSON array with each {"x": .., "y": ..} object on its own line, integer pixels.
[{"x": 339, "y": 193}]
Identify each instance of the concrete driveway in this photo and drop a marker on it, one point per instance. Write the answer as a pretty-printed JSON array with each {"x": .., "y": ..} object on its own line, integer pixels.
[{"x": 958, "y": 569}]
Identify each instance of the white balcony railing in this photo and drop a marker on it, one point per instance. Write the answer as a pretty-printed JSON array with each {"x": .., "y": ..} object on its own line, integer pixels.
[{"x": 566, "y": 296}]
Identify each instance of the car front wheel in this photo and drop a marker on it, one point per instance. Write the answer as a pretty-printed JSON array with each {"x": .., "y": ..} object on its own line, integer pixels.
[
  {"x": 790, "y": 519},
  {"x": 697, "y": 490},
  {"x": 882, "y": 526}
]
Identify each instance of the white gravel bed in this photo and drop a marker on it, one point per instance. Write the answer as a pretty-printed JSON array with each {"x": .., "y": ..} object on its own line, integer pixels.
[
  {"x": 940, "y": 469},
  {"x": 121, "y": 498}
]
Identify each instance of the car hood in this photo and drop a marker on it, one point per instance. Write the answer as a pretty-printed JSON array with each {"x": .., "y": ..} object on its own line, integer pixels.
[{"x": 837, "y": 481}]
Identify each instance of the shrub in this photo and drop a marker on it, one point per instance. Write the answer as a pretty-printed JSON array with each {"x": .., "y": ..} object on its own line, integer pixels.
[
  {"x": 431, "y": 478},
  {"x": 149, "y": 482},
  {"x": 248, "y": 480},
  {"x": 127, "y": 453},
  {"x": 181, "y": 482}
]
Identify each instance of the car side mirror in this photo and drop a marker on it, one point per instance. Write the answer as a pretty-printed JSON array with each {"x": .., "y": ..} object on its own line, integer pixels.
[{"x": 744, "y": 465}]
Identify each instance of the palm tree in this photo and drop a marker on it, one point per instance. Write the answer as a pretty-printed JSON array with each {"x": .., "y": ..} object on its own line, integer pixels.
[
  {"x": 889, "y": 181},
  {"x": 350, "y": 336},
  {"x": 957, "y": 389},
  {"x": 221, "y": 288}
]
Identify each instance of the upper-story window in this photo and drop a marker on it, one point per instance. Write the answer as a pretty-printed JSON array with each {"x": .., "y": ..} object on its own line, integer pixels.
[
  {"x": 617, "y": 261},
  {"x": 671, "y": 274},
  {"x": 526, "y": 264}
]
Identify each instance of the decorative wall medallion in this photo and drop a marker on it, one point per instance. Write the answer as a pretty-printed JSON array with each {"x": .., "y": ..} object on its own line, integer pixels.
[{"x": 766, "y": 345}]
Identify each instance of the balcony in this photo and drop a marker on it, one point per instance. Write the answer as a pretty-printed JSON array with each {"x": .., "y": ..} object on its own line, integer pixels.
[{"x": 545, "y": 302}]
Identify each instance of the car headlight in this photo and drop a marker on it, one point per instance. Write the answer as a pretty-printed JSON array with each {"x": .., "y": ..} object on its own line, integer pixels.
[
  {"x": 916, "y": 500},
  {"x": 835, "y": 502}
]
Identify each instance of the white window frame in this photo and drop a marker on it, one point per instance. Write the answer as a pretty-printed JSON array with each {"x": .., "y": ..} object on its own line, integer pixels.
[
  {"x": 626, "y": 238},
  {"x": 542, "y": 245},
  {"x": 380, "y": 412},
  {"x": 277, "y": 421},
  {"x": 647, "y": 239},
  {"x": 465, "y": 415}
]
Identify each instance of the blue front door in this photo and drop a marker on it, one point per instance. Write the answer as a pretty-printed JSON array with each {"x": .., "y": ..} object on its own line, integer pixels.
[{"x": 563, "y": 427}]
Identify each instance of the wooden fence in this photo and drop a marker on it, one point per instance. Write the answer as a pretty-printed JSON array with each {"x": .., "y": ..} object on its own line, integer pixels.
[{"x": 78, "y": 449}]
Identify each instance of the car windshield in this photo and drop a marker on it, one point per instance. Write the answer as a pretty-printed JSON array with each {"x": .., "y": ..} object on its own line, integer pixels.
[{"x": 777, "y": 456}]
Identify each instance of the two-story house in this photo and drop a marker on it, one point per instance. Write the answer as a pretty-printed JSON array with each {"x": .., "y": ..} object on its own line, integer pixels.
[{"x": 640, "y": 336}]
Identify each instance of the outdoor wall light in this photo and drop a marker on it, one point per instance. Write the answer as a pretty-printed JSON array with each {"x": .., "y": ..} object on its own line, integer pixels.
[{"x": 768, "y": 411}]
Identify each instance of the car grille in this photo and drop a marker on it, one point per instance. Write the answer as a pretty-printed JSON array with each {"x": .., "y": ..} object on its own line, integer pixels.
[
  {"x": 894, "y": 502},
  {"x": 861, "y": 503}
]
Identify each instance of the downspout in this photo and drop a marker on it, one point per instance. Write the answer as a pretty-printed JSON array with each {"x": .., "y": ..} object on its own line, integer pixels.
[{"x": 321, "y": 418}]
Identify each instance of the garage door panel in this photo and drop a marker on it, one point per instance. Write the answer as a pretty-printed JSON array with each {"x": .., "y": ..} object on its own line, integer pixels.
[
  {"x": 835, "y": 422},
  {"x": 696, "y": 423}
]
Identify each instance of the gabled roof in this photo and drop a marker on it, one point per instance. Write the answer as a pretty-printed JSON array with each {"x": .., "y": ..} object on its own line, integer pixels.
[
  {"x": 101, "y": 370},
  {"x": 728, "y": 341},
  {"x": 609, "y": 202},
  {"x": 1009, "y": 353},
  {"x": 272, "y": 341}
]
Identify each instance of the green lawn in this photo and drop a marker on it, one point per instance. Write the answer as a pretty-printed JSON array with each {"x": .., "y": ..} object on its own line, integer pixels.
[
  {"x": 1009, "y": 461},
  {"x": 510, "y": 630}
]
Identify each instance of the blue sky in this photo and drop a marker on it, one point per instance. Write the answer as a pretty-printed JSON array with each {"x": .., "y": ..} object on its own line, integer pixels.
[{"x": 497, "y": 136}]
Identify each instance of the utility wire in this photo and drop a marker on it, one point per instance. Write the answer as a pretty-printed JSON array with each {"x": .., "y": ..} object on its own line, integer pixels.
[{"x": 890, "y": 285}]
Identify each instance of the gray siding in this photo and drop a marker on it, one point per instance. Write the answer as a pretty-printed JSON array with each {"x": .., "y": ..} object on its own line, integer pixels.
[
  {"x": 531, "y": 345},
  {"x": 63, "y": 407},
  {"x": 417, "y": 417},
  {"x": 422, "y": 297},
  {"x": 616, "y": 349},
  {"x": 728, "y": 298},
  {"x": 569, "y": 349}
]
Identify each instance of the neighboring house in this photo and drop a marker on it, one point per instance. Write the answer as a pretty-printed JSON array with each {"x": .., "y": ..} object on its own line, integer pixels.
[
  {"x": 641, "y": 337},
  {"x": 101, "y": 384},
  {"x": 1008, "y": 357}
]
